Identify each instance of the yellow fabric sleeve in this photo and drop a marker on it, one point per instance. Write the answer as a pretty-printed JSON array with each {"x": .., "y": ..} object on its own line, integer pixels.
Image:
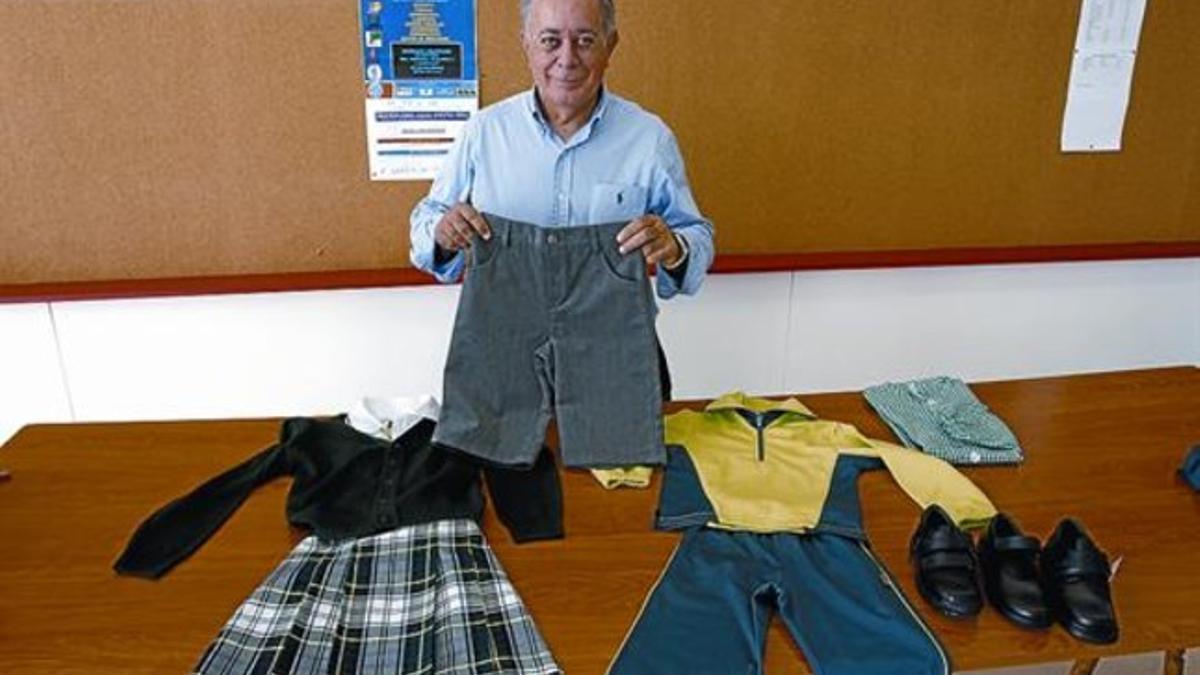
[
  {"x": 676, "y": 427},
  {"x": 674, "y": 433},
  {"x": 630, "y": 477},
  {"x": 930, "y": 480}
]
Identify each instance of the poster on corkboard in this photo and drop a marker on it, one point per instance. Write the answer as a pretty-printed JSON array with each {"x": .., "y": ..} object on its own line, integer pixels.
[{"x": 422, "y": 83}]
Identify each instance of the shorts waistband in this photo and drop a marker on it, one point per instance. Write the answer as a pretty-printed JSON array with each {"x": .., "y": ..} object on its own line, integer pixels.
[{"x": 516, "y": 232}]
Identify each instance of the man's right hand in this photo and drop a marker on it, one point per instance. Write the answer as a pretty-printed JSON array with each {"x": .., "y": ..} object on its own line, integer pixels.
[{"x": 453, "y": 231}]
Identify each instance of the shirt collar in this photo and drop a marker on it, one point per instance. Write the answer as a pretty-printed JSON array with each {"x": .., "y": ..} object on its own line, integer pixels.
[
  {"x": 534, "y": 107},
  {"x": 389, "y": 418},
  {"x": 739, "y": 401}
]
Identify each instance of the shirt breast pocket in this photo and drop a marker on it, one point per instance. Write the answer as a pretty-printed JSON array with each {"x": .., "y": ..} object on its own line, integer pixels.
[{"x": 616, "y": 202}]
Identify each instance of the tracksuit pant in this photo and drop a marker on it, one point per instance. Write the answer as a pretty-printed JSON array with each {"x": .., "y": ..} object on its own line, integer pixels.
[{"x": 709, "y": 611}]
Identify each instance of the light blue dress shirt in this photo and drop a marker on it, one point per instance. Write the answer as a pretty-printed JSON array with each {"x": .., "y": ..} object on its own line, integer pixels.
[{"x": 622, "y": 164}]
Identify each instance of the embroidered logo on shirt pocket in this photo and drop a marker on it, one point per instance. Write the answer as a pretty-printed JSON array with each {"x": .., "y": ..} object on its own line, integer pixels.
[{"x": 616, "y": 202}]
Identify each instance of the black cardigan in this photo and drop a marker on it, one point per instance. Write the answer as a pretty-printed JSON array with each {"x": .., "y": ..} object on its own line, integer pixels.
[{"x": 349, "y": 484}]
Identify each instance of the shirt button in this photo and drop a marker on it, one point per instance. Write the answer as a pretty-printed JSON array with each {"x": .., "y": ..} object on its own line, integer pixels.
[{"x": 552, "y": 238}]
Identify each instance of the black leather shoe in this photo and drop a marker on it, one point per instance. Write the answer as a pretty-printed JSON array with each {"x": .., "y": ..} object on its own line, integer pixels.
[
  {"x": 946, "y": 567},
  {"x": 1008, "y": 559},
  {"x": 1075, "y": 577}
]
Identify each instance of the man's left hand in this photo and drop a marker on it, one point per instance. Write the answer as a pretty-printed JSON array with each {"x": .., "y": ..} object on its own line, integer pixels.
[{"x": 653, "y": 237}]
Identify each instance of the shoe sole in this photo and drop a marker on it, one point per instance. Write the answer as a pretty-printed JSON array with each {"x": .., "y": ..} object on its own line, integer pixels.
[
  {"x": 1082, "y": 632},
  {"x": 942, "y": 609},
  {"x": 1022, "y": 621},
  {"x": 1008, "y": 613},
  {"x": 1091, "y": 635}
]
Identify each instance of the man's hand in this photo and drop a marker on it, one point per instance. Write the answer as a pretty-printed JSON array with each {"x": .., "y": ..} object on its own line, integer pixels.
[
  {"x": 653, "y": 237},
  {"x": 453, "y": 231}
]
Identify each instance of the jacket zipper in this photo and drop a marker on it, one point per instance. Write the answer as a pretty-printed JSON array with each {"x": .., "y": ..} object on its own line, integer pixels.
[{"x": 758, "y": 425}]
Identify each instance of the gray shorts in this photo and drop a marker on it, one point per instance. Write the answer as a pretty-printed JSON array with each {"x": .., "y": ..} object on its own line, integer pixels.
[{"x": 553, "y": 322}]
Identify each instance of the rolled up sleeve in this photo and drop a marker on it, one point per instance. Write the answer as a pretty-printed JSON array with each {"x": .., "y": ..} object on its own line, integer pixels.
[
  {"x": 674, "y": 203},
  {"x": 452, "y": 185}
]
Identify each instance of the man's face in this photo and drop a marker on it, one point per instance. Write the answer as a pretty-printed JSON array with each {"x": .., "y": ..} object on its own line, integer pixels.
[{"x": 567, "y": 52}]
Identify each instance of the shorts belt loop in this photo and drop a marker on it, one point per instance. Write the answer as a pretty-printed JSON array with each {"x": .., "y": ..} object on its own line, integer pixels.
[{"x": 501, "y": 231}]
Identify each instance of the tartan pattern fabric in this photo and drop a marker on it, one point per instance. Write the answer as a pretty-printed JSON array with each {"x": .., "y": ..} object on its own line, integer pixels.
[
  {"x": 941, "y": 416},
  {"x": 427, "y": 599}
]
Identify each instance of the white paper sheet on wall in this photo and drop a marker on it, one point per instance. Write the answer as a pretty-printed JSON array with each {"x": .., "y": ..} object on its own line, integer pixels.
[{"x": 1101, "y": 74}]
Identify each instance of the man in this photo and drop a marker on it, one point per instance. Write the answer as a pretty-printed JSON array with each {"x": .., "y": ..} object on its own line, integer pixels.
[{"x": 567, "y": 153}]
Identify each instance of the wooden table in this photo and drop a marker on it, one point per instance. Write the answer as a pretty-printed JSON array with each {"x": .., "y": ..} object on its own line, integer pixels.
[{"x": 1103, "y": 448}]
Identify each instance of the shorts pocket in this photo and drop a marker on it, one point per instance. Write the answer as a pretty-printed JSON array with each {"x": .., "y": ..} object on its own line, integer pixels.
[
  {"x": 630, "y": 267},
  {"x": 482, "y": 251}
]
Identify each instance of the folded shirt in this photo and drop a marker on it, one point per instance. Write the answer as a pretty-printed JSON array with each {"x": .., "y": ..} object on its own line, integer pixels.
[{"x": 942, "y": 417}]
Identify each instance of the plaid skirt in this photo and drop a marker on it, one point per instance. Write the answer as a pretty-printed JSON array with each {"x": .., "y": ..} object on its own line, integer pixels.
[{"x": 427, "y": 599}]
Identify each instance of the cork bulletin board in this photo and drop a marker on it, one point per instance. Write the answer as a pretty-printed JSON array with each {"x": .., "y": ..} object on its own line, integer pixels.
[{"x": 201, "y": 139}]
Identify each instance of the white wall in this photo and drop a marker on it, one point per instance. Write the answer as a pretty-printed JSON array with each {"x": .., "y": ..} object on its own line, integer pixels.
[
  {"x": 853, "y": 329},
  {"x": 316, "y": 352},
  {"x": 31, "y": 381},
  {"x": 251, "y": 355}
]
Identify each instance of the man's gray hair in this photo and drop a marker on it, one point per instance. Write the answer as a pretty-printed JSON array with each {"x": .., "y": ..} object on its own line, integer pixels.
[{"x": 608, "y": 16}]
